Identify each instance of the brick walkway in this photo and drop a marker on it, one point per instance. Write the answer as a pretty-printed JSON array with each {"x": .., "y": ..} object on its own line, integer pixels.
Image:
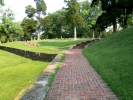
[{"x": 77, "y": 80}]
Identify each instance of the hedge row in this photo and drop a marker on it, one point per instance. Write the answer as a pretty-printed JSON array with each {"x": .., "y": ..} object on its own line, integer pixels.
[{"x": 29, "y": 54}]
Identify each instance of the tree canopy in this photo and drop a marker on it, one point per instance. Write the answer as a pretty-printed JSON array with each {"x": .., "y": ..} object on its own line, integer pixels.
[
  {"x": 114, "y": 12},
  {"x": 9, "y": 30},
  {"x": 73, "y": 14},
  {"x": 77, "y": 19}
]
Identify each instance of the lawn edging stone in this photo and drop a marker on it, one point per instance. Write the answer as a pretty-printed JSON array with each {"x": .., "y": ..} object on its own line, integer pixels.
[{"x": 39, "y": 90}]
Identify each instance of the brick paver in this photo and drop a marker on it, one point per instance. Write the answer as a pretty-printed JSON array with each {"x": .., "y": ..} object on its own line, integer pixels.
[{"x": 77, "y": 80}]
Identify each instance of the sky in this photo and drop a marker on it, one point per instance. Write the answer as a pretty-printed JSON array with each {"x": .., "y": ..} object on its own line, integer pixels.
[{"x": 18, "y": 6}]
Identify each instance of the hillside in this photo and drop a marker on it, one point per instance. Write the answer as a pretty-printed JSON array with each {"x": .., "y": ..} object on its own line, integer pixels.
[{"x": 112, "y": 58}]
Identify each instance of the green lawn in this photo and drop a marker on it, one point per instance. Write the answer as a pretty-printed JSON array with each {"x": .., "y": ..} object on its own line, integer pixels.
[
  {"x": 112, "y": 57},
  {"x": 46, "y": 46},
  {"x": 21, "y": 45},
  {"x": 17, "y": 73},
  {"x": 60, "y": 44}
]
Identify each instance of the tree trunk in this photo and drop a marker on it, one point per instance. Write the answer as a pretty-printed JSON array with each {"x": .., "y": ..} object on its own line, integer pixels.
[
  {"x": 114, "y": 26},
  {"x": 126, "y": 21},
  {"x": 75, "y": 33},
  {"x": 93, "y": 34},
  {"x": 38, "y": 31},
  {"x": 38, "y": 28},
  {"x": 99, "y": 36},
  {"x": 123, "y": 23}
]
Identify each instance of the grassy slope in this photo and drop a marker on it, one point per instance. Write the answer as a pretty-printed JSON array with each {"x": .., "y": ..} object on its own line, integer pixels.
[{"x": 112, "y": 58}]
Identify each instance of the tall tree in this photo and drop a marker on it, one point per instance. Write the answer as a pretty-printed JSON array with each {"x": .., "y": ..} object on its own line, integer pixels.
[
  {"x": 73, "y": 15},
  {"x": 53, "y": 24},
  {"x": 40, "y": 10},
  {"x": 126, "y": 9},
  {"x": 111, "y": 11},
  {"x": 90, "y": 14}
]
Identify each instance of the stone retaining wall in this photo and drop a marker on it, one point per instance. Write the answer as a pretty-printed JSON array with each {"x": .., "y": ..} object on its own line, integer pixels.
[{"x": 29, "y": 54}]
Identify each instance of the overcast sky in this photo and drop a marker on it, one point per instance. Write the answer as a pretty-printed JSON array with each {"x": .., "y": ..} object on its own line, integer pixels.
[{"x": 18, "y": 6}]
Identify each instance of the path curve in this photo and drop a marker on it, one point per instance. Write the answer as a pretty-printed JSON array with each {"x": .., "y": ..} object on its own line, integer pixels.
[{"x": 77, "y": 80}]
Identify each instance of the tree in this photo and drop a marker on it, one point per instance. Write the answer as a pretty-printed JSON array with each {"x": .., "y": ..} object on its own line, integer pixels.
[
  {"x": 46, "y": 23},
  {"x": 73, "y": 16},
  {"x": 2, "y": 3},
  {"x": 11, "y": 30},
  {"x": 130, "y": 20},
  {"x": 8, "y": 29},
  {"x": 37, "y": 12},
  {"x": 17, "y": 31},
  {"x": 53, "y": 24},
  {"x": 111, "y": 11},
  {"x": 90, "y": 14},
  {"x": 126, "y": 9},
  {"x": 40, "y": 10},
  {"x": 29, "y": 27},
  {"x": 116, "y": 11},
  {"x": 30, "y": 11}
]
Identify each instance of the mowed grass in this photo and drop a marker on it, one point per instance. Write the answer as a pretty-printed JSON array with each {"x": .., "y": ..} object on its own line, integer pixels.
[
  {"x": 17, "y": 74},
  {"x": 112, "y": 58},
  {"x": 46, "y": 46},
  {"x": 60, "y": 44},
  {"x": 23, "y": 46}
]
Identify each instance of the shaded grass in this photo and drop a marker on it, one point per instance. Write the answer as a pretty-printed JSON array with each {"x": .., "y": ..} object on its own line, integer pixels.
[
  {"x": 18, "y": 75},
  {"x": 112, "y": 59}
]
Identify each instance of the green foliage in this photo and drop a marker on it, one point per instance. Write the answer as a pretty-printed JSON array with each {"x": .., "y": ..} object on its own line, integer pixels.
[
  {"x": 53, "y": 25},
  {"x": 73, "y": 16},
  {"x": 46, "y": 22},
  {"x": 2, "y": 2},
  {"x": 30, "y": 11},
  {"x": 11, "y": 29},
  {"x": 130, "y": 20},
  {"x": 114, "y": 12},
  {"x": 90, "y": 15},
  {"x": 40, "y": 7},
  {"x": 111, "y": 58},
  {"x": 40, "y": 10},
  {"x": 76, "y": 19},
  {"x": 3, "y": 39},
  {"x": 29, "y": 27}
]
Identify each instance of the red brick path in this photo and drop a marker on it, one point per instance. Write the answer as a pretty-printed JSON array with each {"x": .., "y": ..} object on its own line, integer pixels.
[{"x": 77, "y": 80}]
